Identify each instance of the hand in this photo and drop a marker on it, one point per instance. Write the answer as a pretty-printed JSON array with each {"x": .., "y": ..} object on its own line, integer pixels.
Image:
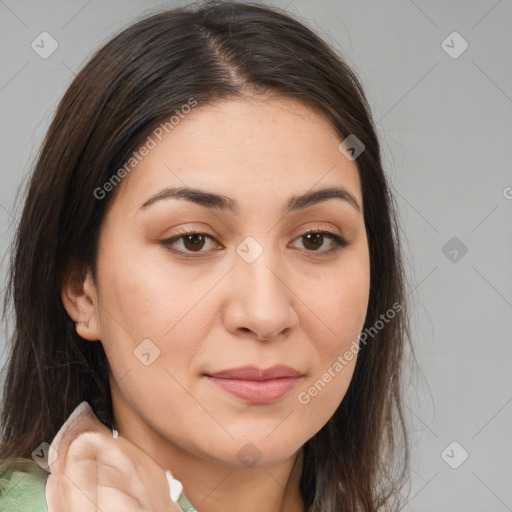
[{"x": 91, "y": 471}]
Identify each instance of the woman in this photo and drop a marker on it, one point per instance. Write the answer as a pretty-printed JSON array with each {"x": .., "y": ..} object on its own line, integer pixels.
[{"x": 207, "y": 274}]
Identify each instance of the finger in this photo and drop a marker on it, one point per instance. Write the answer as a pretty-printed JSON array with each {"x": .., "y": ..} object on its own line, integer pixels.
[
  {"x": 98, "y": 468},
  {"x": 82, "y": 419},
  {"x": 62, "y": 493},
  {"x": 94, "y": 470},
  {"x": 96, "y": 461}
]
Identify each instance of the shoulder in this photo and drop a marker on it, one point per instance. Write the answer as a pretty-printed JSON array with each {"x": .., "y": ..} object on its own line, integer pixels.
[{"x": 22, "y": 487}]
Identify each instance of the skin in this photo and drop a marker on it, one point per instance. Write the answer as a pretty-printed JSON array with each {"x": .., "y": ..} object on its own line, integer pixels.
[{"x": 296, "y": 304}]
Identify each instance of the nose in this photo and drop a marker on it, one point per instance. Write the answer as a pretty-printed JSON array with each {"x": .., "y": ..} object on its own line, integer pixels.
[{"x": 261, "y": 300}]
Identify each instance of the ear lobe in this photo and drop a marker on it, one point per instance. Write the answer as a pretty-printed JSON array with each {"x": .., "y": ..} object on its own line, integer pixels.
[{"x": 78, "y": 294}]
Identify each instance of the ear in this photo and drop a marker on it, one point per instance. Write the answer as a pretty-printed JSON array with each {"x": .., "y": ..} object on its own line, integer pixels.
[{"x": 78, "y": 293}]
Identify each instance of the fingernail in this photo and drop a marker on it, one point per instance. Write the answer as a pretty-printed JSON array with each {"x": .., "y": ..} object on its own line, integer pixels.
[{"x": 175, "y": 486}]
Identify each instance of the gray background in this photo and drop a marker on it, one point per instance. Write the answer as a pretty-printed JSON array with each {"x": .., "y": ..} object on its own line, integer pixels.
[{"x": 446, "y": 131}]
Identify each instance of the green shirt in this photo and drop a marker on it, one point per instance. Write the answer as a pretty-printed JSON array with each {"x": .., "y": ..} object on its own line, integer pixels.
[{"x": 22, "y": 489}]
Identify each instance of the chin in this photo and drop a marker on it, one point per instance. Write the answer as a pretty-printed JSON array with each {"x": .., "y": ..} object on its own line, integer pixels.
[{"x": 258, "y": 452}]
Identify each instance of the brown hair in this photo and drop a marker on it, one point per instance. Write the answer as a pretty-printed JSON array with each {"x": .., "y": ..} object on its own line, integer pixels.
[{"x": 209, "y": 51}]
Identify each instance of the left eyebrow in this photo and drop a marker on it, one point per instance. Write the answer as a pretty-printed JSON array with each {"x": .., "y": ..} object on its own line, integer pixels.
[{"x": 221, "y": 202}]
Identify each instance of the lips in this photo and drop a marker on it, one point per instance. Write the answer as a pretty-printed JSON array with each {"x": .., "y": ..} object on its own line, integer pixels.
[
  {"x": 255, "y": 373},
  {"x": 255, "y": 385}
]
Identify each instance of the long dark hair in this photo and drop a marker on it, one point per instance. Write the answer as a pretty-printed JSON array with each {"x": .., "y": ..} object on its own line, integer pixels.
[{"x": 359, "y": 459}]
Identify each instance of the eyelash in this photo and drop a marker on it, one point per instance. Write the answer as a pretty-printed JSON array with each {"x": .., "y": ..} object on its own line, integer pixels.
[{"x": 339, "y": 242}]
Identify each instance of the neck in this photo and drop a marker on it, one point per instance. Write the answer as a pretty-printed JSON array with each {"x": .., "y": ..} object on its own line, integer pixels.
[{"x": 221, "y": 488}]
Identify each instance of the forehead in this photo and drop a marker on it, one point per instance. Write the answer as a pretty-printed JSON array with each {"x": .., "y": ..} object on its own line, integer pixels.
[{"x": 247, "y": 149}]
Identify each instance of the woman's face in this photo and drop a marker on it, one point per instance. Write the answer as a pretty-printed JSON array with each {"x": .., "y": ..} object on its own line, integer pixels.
[{"x": 249, "y": 289}]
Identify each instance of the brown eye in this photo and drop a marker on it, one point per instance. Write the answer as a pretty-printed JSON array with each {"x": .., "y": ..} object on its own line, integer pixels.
[
  {"x": 314, "y": 240},
  {"x": 193, "y": 242}
]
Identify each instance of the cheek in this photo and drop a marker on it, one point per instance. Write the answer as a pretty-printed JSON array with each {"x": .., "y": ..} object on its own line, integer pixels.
[
  {"x": 152, "y": 331},
  {"x": 333, "y": 363},
  {"x": 322, "y": 394},
  {"x": 340, "y": 307},
  {"x": 146, "y": 297},
  {"x": 148, "y": 315}
]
